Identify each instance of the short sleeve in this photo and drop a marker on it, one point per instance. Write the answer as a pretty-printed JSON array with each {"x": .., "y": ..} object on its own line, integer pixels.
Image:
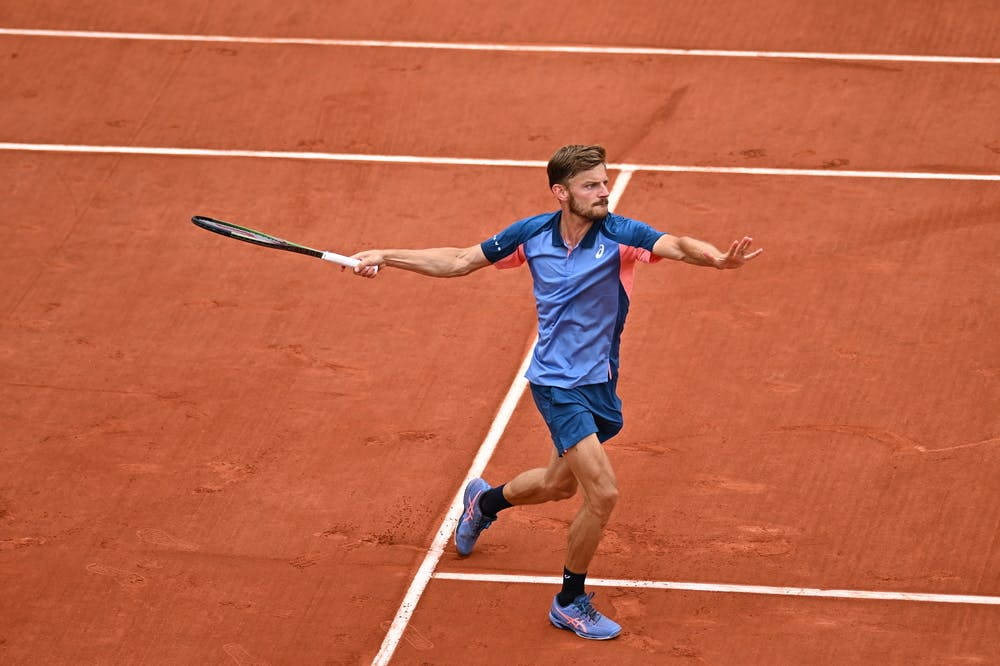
[
  {"x": 633, "y": 233},
  {"x": 508, "y": 241}
]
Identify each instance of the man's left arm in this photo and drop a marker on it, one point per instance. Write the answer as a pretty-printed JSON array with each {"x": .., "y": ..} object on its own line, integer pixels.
[{"x": 700, "y": 253}]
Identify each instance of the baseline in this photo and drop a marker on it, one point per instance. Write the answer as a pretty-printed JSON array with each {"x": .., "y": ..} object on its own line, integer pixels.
[
  {"x": 476, "y": 161},
  {"x": 517, "y": 48}
]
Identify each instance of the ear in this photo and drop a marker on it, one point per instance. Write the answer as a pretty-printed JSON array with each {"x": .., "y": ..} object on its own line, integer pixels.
[{"x": 561, "y": 192}]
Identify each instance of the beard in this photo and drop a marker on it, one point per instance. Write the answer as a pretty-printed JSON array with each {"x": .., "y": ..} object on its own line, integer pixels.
[{"x": 595, "y": 212}]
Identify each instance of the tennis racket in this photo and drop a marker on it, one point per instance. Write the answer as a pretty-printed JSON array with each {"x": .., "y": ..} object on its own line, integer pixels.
[{"x": 266, "y": 240}]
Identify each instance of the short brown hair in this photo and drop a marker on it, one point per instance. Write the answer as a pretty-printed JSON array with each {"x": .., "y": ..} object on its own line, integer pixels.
[{"x": 571, "y": 160}]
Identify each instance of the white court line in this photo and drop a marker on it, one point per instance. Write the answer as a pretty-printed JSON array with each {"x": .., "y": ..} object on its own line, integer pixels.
[
  {"x": 737, "y": 589},
  {"x": 268, "y": 154},
  {"x": 447, "y": 527},
  {"x": 477, "y": 161},
  {"x": 515, "y": 48},
  {"x": 486, "y": 449}
]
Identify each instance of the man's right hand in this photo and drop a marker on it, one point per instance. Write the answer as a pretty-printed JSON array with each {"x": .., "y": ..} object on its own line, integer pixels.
[{"x": 371, "y": 262}]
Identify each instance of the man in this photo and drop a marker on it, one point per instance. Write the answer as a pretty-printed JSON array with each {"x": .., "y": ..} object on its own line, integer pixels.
[{"x": 582, "y": 260}]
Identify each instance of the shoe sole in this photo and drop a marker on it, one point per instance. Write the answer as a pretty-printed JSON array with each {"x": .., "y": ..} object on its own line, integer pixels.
[{"x": 559, "y": 625}]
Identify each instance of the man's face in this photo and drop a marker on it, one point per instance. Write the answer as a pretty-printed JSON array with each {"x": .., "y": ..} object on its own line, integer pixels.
[{"x": 588, "y": 193}]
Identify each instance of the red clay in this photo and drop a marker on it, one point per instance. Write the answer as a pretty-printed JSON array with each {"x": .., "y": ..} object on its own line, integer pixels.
[{"x": 214, "y": 453}]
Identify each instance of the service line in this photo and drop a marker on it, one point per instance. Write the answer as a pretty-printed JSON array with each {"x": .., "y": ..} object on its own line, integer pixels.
[
  {"x": 516, "y": 48},
  {"x": 478, "y": 161},
  {"x": 732, "y": 589}
]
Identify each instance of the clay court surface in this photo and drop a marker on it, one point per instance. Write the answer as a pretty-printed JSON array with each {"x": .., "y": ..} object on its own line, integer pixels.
[{"x": 212, "y": 453}]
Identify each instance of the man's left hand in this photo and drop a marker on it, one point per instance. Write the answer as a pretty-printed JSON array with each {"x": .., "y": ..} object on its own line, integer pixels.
[{"x": 736, "y": 257}]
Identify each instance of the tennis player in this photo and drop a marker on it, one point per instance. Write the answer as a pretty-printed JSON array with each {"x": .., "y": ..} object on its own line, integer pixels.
[{"x": 582, "y": 260}]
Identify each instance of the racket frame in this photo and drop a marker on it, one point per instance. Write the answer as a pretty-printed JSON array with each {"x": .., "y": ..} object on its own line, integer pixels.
[{"x": 248, "y": 235}]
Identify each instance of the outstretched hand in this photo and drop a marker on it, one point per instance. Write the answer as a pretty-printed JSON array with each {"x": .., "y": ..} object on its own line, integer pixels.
[{"x": 736, "y": 257}]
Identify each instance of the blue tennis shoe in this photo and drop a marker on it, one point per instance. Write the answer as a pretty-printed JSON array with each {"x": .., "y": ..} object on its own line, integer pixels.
[
  {"x": 473, "y": 522},
  {"x": 582, "y": 619}
]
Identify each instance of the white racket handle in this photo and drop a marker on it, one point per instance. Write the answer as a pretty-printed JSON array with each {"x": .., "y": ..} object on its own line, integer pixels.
[{"x": 342, "y": 260}]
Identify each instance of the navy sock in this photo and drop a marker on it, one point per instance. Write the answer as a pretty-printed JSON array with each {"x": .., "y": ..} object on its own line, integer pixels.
[
  {"x": 492, "y": 501},
  {"x": 572, "y": 587}
]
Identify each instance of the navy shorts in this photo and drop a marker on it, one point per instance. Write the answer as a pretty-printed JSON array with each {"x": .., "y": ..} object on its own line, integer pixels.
[{"x": 572, "y": 414}]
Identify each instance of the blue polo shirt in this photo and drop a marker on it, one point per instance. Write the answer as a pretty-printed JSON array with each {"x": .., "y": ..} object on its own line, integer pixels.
[{"x": 582, "y": 294}]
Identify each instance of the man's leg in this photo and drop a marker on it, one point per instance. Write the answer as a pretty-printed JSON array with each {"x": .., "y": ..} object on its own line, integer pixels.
[
  {"x": 571, "y": 609},
  {"x": 542, "y": 484},
  {"x": 592, "y": 469},
  {"x": 482, "y": 503},
  {"x": 587, "y": 466}
]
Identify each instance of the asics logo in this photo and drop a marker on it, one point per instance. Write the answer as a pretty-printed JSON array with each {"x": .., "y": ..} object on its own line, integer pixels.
[
  {"x": 471, "y": 511},
  {"x": 576, "y": 622},
  {"x": 600, "y": 252}
]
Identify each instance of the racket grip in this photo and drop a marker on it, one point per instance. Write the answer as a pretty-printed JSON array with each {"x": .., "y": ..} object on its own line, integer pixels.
[{"x": 342, "y": 260}]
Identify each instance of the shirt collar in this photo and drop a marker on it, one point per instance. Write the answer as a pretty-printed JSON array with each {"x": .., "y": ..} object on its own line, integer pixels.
[{"x": 588, "y": 239}]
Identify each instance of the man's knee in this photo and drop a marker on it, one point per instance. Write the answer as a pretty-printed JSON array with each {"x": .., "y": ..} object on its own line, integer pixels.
[
  {"x": 603, "y": 498},
  {"x": 561, "y": 491}
]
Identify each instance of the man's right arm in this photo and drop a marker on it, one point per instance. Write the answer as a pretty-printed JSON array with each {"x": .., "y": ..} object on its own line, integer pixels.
[{"x": 436, "y": 262}]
